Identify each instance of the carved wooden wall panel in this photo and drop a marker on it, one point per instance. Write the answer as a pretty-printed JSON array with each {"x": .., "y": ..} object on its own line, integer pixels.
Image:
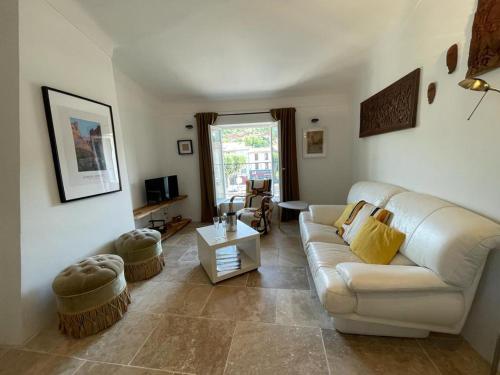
[
  {"x": 484, "y": 53},
  {"x": 393, "y": 108}
]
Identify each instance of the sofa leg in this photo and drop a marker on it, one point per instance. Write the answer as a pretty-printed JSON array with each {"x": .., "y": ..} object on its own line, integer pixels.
[{"x": 375, "y": 329}]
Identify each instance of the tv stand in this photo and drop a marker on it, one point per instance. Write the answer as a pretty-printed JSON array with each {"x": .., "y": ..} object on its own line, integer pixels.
[{"x": 172, "y": 227}]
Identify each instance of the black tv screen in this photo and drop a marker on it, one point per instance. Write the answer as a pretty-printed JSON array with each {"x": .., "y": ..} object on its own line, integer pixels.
[{"x": 161, "y": 189}]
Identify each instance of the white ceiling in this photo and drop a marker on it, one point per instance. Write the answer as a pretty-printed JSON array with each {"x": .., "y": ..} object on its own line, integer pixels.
[{"x": 241, "y": 48}]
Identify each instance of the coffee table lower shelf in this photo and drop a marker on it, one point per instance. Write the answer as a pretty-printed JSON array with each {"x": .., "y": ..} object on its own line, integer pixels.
[
  {"x": 245, "y": 241},
  {"x": 247, "y": 264}
]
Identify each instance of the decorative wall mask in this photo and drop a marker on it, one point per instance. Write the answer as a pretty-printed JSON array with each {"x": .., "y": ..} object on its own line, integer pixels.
[
  {"x": 452, "y": 58},
  {"x": 484, "y": 53},
  {"x": 431, "y": 92},
  {"x": 393, "y": 108}
]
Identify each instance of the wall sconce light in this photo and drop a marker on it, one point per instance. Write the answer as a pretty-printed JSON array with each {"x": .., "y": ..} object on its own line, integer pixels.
[
  {"x": 189, "y": 127},
  {"x": 477, "y": 84}
]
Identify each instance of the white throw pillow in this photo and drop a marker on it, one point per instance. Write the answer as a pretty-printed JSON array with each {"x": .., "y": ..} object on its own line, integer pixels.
[{"x": 361, "y": 211}]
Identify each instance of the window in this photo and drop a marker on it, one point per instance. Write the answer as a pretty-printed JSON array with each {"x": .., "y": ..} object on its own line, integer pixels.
[{"x": 238, "y": 152}]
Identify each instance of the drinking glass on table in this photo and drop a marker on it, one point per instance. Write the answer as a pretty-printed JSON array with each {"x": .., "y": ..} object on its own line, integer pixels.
[
  {"x": 216, "y": 223},
  {"x": 223, "y": 222}
]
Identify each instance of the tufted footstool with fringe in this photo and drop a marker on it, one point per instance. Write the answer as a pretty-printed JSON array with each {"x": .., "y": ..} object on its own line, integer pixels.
[
  {"x": 92, "y": 295},
  {"x": 142, "y": 253}
]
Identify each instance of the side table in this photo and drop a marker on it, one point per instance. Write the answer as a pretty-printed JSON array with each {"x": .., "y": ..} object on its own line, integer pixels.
[{"x": 291, "y": 205}]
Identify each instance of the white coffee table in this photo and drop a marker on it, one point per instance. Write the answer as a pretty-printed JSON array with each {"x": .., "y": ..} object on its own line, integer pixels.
[{"x": 245, "y": 240}]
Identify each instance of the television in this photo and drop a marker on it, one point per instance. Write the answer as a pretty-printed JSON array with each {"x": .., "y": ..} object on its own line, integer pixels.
[{"x": 161, "y": 189}]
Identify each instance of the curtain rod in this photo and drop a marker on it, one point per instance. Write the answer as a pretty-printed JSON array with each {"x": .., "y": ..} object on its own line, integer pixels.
[{"x": 243, "y": 113}]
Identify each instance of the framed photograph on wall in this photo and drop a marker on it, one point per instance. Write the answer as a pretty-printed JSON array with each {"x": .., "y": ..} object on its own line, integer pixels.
[
  {"x": 314, "y": 143},
  {"x": 82, "y": 137},
  {"x": 185, "y": 147}
]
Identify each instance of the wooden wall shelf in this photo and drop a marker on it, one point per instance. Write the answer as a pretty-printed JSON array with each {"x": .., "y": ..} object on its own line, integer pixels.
[
  {"x": 173, "y": 228},
  {"x": 144, "y": 211}
]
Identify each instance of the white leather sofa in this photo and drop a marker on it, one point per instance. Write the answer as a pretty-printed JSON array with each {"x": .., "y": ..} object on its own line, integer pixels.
[{"x": 430, "y": 284}]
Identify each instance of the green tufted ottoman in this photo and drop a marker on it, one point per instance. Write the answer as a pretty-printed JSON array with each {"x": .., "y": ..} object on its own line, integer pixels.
[
  {"x": 91, "y": 295},
  {"x": 142, "y": 253}
]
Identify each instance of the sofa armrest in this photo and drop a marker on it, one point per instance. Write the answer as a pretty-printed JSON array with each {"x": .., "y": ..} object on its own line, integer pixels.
[
  {"x": 362, "y": 277},
  {"x": 325, "y": 214}
]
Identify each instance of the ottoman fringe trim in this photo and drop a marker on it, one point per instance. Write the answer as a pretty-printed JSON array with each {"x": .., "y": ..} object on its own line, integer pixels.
[
  {"x": 89, "y": 322},
  {"x": 144, "y": 270}
]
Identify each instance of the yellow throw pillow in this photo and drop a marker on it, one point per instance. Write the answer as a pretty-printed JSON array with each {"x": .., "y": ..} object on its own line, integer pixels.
[
  {"x": 345, "y": 215},
  {"x": 377, "y": 243}
]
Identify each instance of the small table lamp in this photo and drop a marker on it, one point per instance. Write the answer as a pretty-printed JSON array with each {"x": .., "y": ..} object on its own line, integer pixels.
[{"x": 476, "y": 84}]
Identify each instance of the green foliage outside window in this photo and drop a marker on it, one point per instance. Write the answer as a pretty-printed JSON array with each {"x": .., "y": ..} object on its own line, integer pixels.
[{"x": 232, "y": 164}]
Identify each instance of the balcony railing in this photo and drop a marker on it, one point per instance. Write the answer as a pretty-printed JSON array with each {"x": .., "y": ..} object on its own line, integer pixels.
[{"x": 229, "y": 185}]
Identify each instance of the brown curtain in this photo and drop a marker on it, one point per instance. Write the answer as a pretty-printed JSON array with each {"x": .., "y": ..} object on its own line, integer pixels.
[
  {"x": 208, "y": 207},
  {"x": 289, "y": 174}
]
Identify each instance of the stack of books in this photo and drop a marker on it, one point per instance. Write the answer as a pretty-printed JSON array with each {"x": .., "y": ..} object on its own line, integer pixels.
[{"x": 228, "y": 259}]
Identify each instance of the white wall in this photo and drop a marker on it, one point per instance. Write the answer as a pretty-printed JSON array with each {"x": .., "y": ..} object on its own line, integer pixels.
[
  {"x": 141, "y": 116},
  {"x": 324, "y": 180},
  {"x": 10, "y": 282},
  {"x": 445, "y": 155},
  {"x": 55, "y": 53}
]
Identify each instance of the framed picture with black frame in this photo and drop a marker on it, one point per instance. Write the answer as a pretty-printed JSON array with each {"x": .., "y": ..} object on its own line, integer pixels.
[
  {"x": 185, "y": 147},
  {"x": 82, "y": 138}
]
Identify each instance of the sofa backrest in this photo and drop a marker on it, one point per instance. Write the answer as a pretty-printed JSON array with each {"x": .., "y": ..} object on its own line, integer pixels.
[
  {"x": 376, "y": 193},
  {"x": 449, "y": 240}
]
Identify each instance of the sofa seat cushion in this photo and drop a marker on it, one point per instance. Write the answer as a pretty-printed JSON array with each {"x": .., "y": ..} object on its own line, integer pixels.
[
  {"x": 312, "y": 232},
  {"x": 322, "y": 254}
]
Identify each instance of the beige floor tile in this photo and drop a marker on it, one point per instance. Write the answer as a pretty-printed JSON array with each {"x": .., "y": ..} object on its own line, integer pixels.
[
  {"x": 191, "y": 255},
  {"x": 173, "y": 253},
  {"x": 19, "y": 362},
  {"x": 311, "y": 282},
  {"x": 187, "y": 344},
  {"x": 117, "y": 344},
  {"x": 94, "y": 368},
  {"x": 454, "y": 356},
  {"x": 166, "y": 297},
  {"x": 186, "y": 239},
  {"x": 301, "y": 308},
  {"x": 240, "y": 280},
  {"x": 279, "y": 277},
  {"x": 269, "y": 256},
  {"x": 241, "y": 303},
  {"x": 290, "y": 242},
  {"x": 365, "y": 355},
  {"x": 260, "y": 348},
  {"x": 3, "y": 351},
  {"x": 292, "y": 257},
  {"x": 184, "y": 272}
]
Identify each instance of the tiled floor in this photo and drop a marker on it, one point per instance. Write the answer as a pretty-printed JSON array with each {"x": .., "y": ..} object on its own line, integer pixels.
[{"x": 266, "y": 322}]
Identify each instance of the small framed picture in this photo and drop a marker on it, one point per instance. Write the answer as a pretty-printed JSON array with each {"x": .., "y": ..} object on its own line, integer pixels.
[
  {"x": 314, "y": 143},
  {"x": 82, "y": 137},
  {"x": 185, "y": 147}
]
